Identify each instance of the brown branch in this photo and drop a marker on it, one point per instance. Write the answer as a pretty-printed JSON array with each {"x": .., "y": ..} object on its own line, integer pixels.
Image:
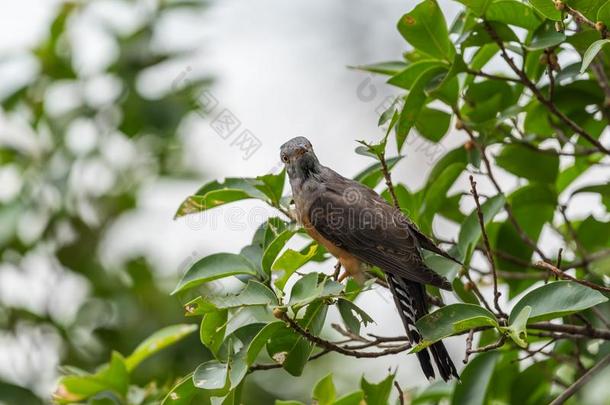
[
  {"x": 511, "y": 217},
  {"x": 538, "y": 94},
  {"x": 572, "y": 329},
  {"x": 401, "y": 394},
  {"x": 469, "y": 340},
  {"x": 547, "y": 266},
  {"x": 585, "y": 378},
  {"x": 271, "y": 366},
  {"x": 325, "y": 344},
  {"x": 490, "y": 256},
  {"x": 492, "y": 346},
  {"x": 580, "y": 18},
  {"x": 388, "y": 179}
]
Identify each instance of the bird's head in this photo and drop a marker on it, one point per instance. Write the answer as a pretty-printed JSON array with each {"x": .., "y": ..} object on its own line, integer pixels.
[{"x": 299, "y": 157}]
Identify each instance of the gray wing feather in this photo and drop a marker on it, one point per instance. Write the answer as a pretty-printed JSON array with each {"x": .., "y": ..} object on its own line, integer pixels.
[{"x": 358, "y": 220}]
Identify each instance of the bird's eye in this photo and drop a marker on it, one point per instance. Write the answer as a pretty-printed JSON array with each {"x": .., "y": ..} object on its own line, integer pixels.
[{"x": 285, "y": 158}]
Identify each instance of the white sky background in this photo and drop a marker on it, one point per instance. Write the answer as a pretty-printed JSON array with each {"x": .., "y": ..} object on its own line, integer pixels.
[{"x": 280, "y": 67}]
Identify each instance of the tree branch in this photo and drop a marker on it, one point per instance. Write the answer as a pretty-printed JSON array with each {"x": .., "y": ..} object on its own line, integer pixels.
[
  {"x": 538, "y": 94},
  {"x": 548, "y": 266},
  {"x": 490, "y": 256},
  {"x": 325, "y": 344},
  {"x": 585, "y": 378}
]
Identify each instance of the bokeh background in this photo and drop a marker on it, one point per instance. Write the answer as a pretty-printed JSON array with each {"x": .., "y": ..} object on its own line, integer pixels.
[{"x": 107, "y": 123}]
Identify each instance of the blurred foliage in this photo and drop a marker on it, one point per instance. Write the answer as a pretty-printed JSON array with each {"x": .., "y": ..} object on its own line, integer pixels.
[
  {"x": 81, "y": 167},
  {"x": 535, "y": 119}
]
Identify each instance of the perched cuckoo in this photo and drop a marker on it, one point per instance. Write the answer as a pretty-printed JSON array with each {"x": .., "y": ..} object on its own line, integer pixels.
[{"x": 361, "y": 229}]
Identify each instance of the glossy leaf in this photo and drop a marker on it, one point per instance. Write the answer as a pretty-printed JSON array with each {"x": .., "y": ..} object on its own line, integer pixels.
[
  {"x": 353, "y": 316},
  {"x": 452, "y": 319},
  {"x": 424, "y": 27},
  {"x": 592, "y": 52},
  {"x": 290, "y": 261},
  {"x": 557, "y": 299},
  {"x": 324, "y": 391},
  {"x": 158, "y": 341},
  {"x": 213, "y": 267},
  {"x": 475, "y": 380},
  {"x": 377, "y": 393},
  {"x": 524, "y": 162}
]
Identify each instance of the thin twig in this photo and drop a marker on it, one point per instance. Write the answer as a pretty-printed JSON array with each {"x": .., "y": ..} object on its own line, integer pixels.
[
  {"x": 547, "y": 266},
  {"x": 388, "y": 180},
  {"x": 469, "y": 340},
  {"x": 511, "y": 217},
  {"x": 538, "y": 94},
  {"x": 572, "y": 329},
  {"x": 490, "y": 256},
  {"x": 496, "y": 345},
  {"x": 270, "y": 366},
  {"x": 401, "y": 394},
  {"x": 325, "y": 344},
  {"x": 585, "y": 378}
]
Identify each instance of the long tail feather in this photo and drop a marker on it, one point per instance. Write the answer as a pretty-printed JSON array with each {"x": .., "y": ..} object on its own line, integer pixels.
[{"x": 410, "y": 299}]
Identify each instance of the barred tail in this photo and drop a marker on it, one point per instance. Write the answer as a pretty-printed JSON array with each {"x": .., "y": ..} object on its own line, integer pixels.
[{"x": 410, "y": 299}]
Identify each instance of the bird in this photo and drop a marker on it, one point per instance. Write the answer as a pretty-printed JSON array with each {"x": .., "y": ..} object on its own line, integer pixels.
[{"x": 360, "y": 228}]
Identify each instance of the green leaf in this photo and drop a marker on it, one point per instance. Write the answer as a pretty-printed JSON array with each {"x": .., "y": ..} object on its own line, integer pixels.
[
  {"x": 406, "y": 78},
  {"x": 279, "y": 402},
  {"x": 424, "y": 27},
  {"x": 602, "y": 189},
  {"x": 384, "y": 68},
  {"x": 274, "y": 248},
  {"x": 513, "y": 12},
  {"x": 477, "y": 6},
  {"x": 557, "y": 299},
  {"x": 353, "y": 398},
  {"x": 213, "y": 376},
  {"x": 414, "y": 102},
  {"x": 452, "y": 319},
  {"x": 524, "y": 162},
  {"x": 292, "y": 350},
  {"x": 213, "y": 267},
  {"x": 261, "y": 339},
  {"x": 182, "y": 393},
  {"x": 546, "y": 8},
  {"x": 432, "y": 124},
  {"x": 475, "y": 380},
  {"x": 592, "y": 52},
  {"x": 372, "y": 175},
  {"x": 324, "y": 391},
  {"x": 546, "y": 38},
  {"x": 213, "y": 199},
  {"x": 157, "y": 341},
  {"x": 111, "y": 377},
  {"x": 272, "y": 186},
  {"x": 307, "y": 289},
  {"x": 435, "y": 195},
  {"x": 588, "y": 8},
  {"x": 290, "y": 261},
  {"x": 377, "y": 394},
  {"x": 603, "y": 14},
  {"x": 470, "y": 231},
  {"x": 212, "y": 329},
  {"x": 517, "y": 329},
  {"x": 353, "y": 316},
  {"x": 254, "y": 294}
]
